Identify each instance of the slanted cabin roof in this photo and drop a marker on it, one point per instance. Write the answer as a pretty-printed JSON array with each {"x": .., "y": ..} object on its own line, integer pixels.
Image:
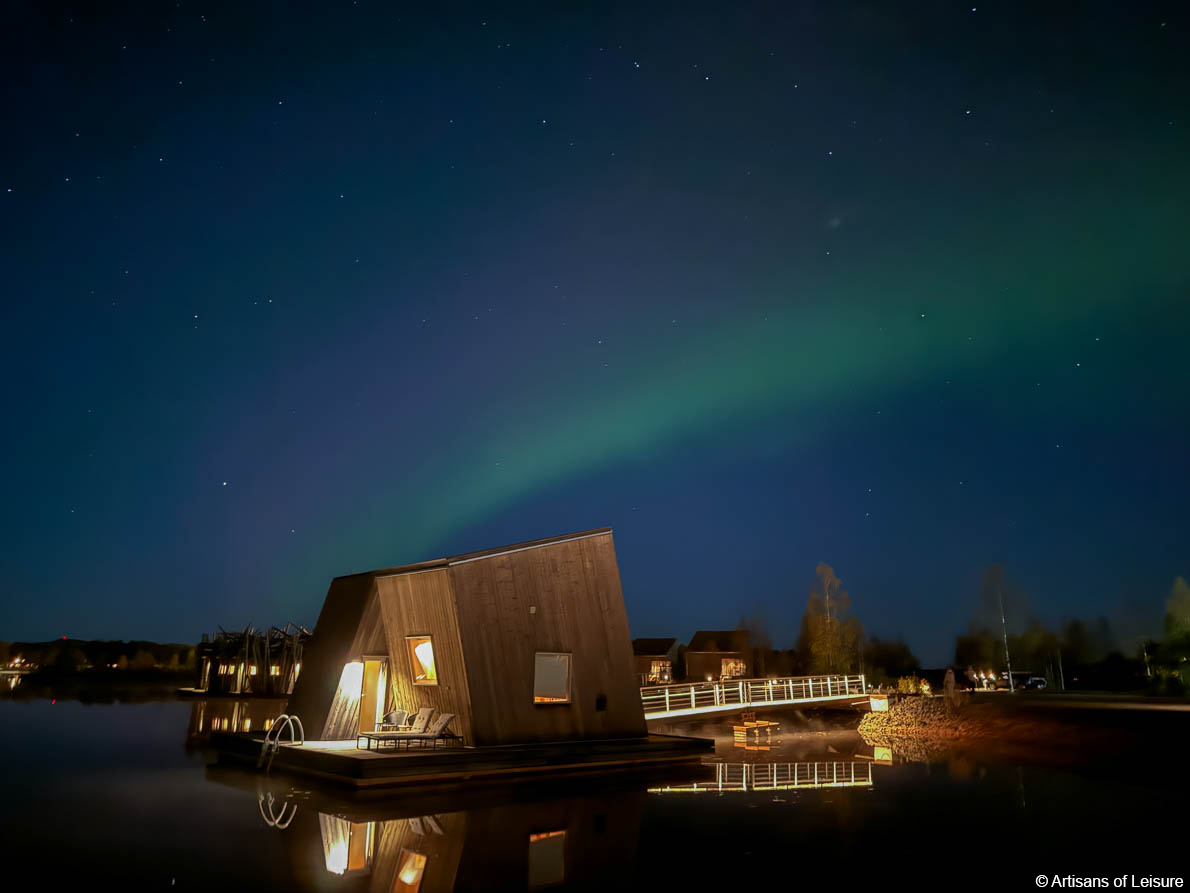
[
  {"x": 472, "y": 556},
  {"x": 645, "y": 647},
  {"x": 731, "y": 640}
]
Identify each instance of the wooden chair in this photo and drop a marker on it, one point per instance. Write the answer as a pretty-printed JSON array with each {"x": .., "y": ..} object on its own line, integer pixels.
[{"x": 393, "y": 721}]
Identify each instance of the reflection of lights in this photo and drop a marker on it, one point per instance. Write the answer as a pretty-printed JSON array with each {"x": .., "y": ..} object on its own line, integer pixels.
[
  {"x": 351, "y": 683},
  {"x": 410, "y": 870},
  {"x": 336, "y": 856}
]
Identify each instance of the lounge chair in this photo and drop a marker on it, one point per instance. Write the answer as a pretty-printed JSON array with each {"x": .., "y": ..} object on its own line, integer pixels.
[
  {"x": 435, "y": 734},
  {"x": 419, "y": 723},
  {"x": 381, "y": 736}
]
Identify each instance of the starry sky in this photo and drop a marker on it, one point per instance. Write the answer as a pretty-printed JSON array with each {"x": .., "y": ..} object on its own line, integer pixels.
[{"x": 292, "y": 292}]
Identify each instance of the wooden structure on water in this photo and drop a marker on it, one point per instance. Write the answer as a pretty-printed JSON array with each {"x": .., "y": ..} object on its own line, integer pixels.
[
  {"x": 524, "y": 644},
  {"x": 251, "y": 662}
]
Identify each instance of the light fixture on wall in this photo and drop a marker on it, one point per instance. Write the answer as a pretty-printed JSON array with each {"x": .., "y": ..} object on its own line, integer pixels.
[{"x": 351, "y": 683}]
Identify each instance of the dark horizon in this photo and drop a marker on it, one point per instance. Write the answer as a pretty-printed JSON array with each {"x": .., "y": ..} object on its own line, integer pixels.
[{"x": 296, "y": 295}]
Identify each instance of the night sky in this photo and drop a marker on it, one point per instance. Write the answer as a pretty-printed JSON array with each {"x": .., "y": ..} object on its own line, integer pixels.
[{"x": 295, "y": 292}]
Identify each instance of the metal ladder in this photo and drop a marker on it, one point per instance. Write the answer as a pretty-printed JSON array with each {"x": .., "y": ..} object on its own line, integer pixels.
[{"x": 272, "y": 738}]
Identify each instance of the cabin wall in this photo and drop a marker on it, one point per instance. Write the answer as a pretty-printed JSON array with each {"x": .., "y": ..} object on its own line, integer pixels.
[
  {"x": 422, "y": 604},
  {"x": 348, "y": 626},
  {"x": 573, "y": 587}
]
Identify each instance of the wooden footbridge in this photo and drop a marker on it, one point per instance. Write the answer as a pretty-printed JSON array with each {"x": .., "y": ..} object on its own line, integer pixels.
[{"x": 693, "y": 699}]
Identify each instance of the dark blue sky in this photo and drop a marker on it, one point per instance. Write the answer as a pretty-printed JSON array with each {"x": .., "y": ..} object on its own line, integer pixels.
[{"x": 898, "y": 287}]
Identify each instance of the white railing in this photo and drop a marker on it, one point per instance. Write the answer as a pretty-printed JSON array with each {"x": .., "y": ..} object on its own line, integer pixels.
[
  {"x": 743, "y": 777},
  {"x": 272, "y": 738},
  {"x": 688, "y": 699}
]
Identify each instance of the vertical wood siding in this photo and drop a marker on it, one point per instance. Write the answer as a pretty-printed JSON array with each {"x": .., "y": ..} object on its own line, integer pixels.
[
  {"x": 422, "y": 604},
  {"x": 341, "y": 635},
  {"x": 574, "y": 587}
]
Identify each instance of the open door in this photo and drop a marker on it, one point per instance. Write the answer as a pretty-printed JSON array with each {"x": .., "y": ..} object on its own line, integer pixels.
[{"x": 373, "y": 697}]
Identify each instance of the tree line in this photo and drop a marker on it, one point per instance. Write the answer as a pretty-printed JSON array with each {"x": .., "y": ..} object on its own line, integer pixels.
[{"x": 71, "y": 656}]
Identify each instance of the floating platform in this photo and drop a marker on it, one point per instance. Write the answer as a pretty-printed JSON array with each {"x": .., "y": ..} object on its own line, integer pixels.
[{"x": 342, "y": 763}]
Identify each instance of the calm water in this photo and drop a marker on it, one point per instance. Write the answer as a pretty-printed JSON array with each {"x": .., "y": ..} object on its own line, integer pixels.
[{"x": 100, "y": 793}]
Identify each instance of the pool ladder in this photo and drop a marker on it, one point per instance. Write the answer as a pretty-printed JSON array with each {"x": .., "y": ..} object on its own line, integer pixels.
[{"x": 272, "y": 738}]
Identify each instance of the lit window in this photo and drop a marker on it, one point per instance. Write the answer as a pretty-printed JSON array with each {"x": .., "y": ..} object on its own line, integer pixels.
[
  {"x": 252, "y": 671},
  {"x": 421, "y": 660},
  {"x": 551, "y": 678},
  {"x": 659, "y": 671},
  {"x": 732, "y": 667},
  {"x": 547, "y": 859},
  {"x": 274, "y": 670},
  {"x": 409, "y": 871}
]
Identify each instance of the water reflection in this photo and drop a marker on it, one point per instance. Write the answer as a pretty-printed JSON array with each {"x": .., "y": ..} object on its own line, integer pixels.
[
  {"x": 744, "y": 777},
  {"x": 230, "y": 715}
]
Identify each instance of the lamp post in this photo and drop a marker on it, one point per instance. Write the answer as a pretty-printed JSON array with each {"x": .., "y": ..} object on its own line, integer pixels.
[{"x": 1004, "y": 627}]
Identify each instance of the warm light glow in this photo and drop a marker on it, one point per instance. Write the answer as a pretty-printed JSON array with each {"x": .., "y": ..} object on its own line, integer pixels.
[
  {"x": 247, "y": 724},
  {"x": 274, "y": 670},
  {"x": 409, "y": 871},
  {"x": 351, "y": 683},
  {"x": 421, "y": 660},
  {"x": 336, "y": 856},
  {"x": 252, "y": 671}
]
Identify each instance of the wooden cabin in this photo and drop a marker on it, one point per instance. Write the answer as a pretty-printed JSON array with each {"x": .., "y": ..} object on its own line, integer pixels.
[
  {"x": 719, "y": 654},
  {"x": 525, "y": 643},
  {"x": 655, "y": 660}
]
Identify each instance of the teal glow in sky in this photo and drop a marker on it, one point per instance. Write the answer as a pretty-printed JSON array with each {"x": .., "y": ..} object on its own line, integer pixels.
[{"x": 900, "y": 290}]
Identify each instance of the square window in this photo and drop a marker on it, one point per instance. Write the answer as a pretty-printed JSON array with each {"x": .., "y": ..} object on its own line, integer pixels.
[
  {"x": 421, "y": 660},
  {"x": 551, "y": 678}
]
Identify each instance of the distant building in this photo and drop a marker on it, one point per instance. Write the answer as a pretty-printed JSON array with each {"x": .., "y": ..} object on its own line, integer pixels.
[
  {"x": 719, "y": 654},
  {"x": 256, "y": 662},
  {"x": 524, "y": 644},
  {"x": 655, "y": 660}
]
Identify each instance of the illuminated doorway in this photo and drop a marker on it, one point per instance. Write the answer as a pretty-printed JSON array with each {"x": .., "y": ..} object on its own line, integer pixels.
[{"x": 373, "y": 696}]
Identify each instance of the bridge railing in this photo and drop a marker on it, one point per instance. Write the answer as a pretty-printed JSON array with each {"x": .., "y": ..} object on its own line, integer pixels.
[
  {"x": 741, "y": 777},
  {"x": 708, "y": 697}
]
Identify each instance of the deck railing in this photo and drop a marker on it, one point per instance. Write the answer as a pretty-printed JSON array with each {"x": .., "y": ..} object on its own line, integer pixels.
[
  {"x": 710, "y": 697},
  {"x": 742, "y": 777}
]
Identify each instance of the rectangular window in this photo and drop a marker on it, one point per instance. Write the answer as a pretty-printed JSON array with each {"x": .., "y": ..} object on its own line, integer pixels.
[
  {"x": 732, "y": 668},
  {"x": 551, "y": 678},
  {"x": 421, "y": 660},
  {"x": 659, "y": 671}
]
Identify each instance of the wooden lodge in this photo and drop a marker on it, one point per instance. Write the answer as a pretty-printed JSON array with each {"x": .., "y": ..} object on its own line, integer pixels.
[
  {"x": 526, "y": 644},
  {"x": 250, "y": 662},
  {"x": 714, "y": 655}
]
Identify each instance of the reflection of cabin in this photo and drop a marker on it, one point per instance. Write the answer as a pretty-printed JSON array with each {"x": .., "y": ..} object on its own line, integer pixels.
[
  {"x": 251, "y": 662},
  {"x": 655, "y": 659},
  {"x": 587, "y": 839},
  {"x": 719, "y": 654},
  {"x": 526, "y": 643}
]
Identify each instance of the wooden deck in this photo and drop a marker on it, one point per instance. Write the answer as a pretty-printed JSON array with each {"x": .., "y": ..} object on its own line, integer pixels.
[{"x": 343, "y": 763}]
